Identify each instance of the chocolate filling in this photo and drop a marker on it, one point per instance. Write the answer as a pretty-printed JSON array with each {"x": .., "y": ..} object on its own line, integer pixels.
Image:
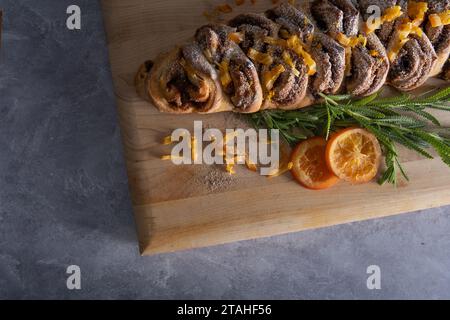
[
  {"x": 330, "y": 58},
  {"x": 288, "y": 89},
  {"x": 255, "y": 28},
  {"x": 446, "y": 72},
  {"x": 336, "y": 16},
  {"x": 439, "y": 36},
  {"x": 257, "y": 20},
  {"x": 214, "y": 42},
  {"x": 243, "y": 83},
  {"x": 369, "y": 72},
  {"x": 178, "y": 89},
  {"x": 194, "y": 55},
  {"x": 185, "y": 82},
  {"x": 292, "y": 20},
  {"x": 436, "y": 6},
  {"x": 413, "y": 64}
]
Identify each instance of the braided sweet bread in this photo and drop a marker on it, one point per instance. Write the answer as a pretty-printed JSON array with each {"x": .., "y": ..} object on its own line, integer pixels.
[{"x": 286, "y": 57}]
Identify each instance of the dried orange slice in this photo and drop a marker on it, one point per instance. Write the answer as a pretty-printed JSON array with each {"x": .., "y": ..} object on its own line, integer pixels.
[
  {"x": 309, "y": 166},
  {"x": 354, "y": 155}
]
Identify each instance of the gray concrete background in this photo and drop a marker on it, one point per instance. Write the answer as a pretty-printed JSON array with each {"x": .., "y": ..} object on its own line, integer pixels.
[{"x": 64, "y": 197}]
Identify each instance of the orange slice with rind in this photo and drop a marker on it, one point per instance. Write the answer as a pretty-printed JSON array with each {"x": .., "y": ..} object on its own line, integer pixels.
[
  {"x": 354, "y": 155},
  {"x": 309, "y": 165}
]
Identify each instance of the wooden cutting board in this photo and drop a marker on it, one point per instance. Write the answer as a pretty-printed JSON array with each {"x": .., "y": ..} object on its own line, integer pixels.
[{"x": 182, "y": 207}]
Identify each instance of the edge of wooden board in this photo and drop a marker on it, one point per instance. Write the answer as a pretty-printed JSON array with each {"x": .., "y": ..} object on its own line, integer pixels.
[{"x": 181, "y": 224}]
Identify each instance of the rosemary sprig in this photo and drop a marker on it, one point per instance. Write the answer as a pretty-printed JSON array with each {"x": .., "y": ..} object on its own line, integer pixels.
[{"x": 403, "y": 120}]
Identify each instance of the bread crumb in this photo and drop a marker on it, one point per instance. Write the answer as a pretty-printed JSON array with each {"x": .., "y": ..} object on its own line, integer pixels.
[{"x": 215, "y": 179}]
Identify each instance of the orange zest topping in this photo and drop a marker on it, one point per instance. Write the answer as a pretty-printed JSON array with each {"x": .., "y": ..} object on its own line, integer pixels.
[
  {"x": 288, "y": 59},
  {"x": 193, "y": 148},
  {"x": 440, "y": 19},
  {"x": 295, "y": 44},
  {"x": 224, "y": 8},
  {"x": 389, "y": 15},
  {"x": 343, "y": 39},
  {"x": 260, "y": 57},
  {"x": 309, "y": 166},
  {"x": 270, "y": 95},
  {"x": 269, "y": 77},
  {"x": 225, "y": 77},
  {"x": 402, "y": 37},
  {"x": 190, "y": 72},
  {"x": 416, "y": 11},
  {"x": 170, "y": 157},
  {"x": 392, "y": 13},
  {"x": 351, "y": 41},
  {"x": 167, "y": 140},
  {"x": 374, "y": 53},
  {"x": 417, "y": 30},
  {"x": 362, "y": 40},
  {"x": 368, "y": 28},
  {"x": 354, "y": 155},
  {"x": 230, "y": 168},
  {"x": 393, "y": 53},
  {"x": 435, "y": 20},
  {"x": 236, "y": 37}
]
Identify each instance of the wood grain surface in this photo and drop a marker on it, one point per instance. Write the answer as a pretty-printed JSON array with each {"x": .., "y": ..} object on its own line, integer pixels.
[{"x": 179, "y": 207}]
